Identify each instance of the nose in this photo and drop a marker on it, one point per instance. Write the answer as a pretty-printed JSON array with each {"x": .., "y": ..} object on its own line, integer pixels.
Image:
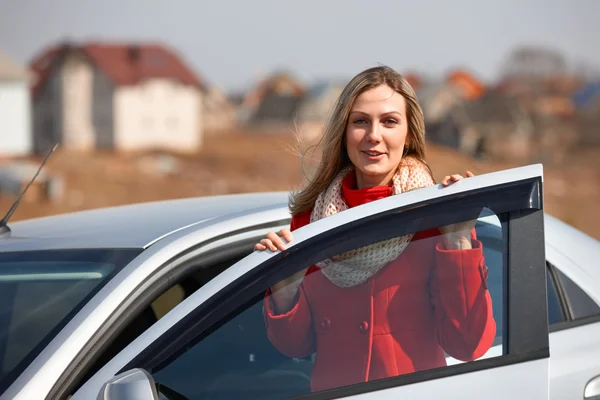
[{"x": 373, "y": 135}]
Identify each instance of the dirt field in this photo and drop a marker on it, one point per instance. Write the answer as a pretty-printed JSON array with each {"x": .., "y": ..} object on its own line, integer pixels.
[{"x": 241, "y": 163}]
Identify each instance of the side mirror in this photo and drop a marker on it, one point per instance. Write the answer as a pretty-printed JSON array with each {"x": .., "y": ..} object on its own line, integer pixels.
[{"x": 135, "y": 384}]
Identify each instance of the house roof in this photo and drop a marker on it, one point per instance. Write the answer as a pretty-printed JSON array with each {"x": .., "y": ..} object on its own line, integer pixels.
[
  {"x": 414, "y": 80},
  {"x": 472, "y": 87},
  {"x": 280, "y": 82},
  {"x": 124, "y": 64},
  {"x": 9, "y": 70}
]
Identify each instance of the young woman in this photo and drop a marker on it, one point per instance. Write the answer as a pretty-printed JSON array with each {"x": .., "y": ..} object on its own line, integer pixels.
[{"x": 385, "y": 309}]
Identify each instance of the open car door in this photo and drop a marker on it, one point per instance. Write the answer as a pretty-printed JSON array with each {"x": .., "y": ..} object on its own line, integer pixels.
[{"x": 221, "y": 342}]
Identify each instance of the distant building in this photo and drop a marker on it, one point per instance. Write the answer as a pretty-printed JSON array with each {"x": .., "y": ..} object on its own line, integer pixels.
[
  {"x": 218, "y": 112},
  {"x": 272, "y": 104},
  {"x": 317, "y": 107},
  {"x": 123, "y": 97},
  {"x": 15, "y": 110}
]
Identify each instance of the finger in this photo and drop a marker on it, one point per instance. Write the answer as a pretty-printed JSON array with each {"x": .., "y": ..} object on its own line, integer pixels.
[
  {"x": 286, "y": 234},
  {"x": 470, "y": 174},
  {"x": 260, "y": 247},
  {"x": 276, "y": 241},
  {"x": 451, "y": 178},
  {"x": 268, "y": 244}
]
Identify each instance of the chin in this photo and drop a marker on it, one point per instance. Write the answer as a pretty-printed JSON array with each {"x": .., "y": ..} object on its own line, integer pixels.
[{"x": 371, "y": 170}]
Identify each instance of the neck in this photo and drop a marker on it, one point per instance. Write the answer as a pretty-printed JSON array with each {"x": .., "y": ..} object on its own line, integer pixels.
[{"x": 366, "y": 181}]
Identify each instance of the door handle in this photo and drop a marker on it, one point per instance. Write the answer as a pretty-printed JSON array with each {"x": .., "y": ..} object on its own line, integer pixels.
[{"x": 592, "y": 389}]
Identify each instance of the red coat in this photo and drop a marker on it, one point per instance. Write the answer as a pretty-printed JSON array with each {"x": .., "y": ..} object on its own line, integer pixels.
[{"x": 426, "y": 302}]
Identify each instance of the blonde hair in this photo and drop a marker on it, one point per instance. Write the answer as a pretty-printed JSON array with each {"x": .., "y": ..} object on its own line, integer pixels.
[{"x": 334, "y": 157}]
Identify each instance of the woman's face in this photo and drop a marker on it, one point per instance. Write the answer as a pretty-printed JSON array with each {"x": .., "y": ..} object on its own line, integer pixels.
[{"x": 376, "y": 134}]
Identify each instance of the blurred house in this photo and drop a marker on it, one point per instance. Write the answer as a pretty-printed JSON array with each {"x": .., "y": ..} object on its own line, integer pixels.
[
  {"x": 439, "y": 99},
  {"x": 218, "y": 111},
  {"x": 16, "y": 175},
  {"x": 494, "y": 126},
  {"x": 15, "y": 110},
  {"x": 467, "y": 85},
  {"x": 587, "y": 104},
  {"x": 272, "y": 104},
  {"x": 414, "y": 80},
  {"x": 123, "y": 97},
  {"x": 317, "y": 107}
]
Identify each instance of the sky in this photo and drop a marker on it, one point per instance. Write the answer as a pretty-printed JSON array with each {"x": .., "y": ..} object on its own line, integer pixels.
[{"x": 231, "y": 43}]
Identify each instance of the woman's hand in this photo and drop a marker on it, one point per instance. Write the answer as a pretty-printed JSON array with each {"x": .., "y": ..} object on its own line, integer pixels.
[
  {"x": 457, "y": 236},
  {"x": 449, "y": 179},
  {"x": 274, "y": 241}
]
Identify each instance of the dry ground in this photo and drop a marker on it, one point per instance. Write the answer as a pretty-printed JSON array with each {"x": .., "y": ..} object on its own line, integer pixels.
[{"x": 241, "y": 163}]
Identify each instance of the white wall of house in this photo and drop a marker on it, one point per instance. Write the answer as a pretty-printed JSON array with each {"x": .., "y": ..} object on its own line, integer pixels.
[
  {"x": 158, "y": 114},
  {"x": 77, "y": 80},
  {"x": 217, "y": 112},
  {"x": 15, "y": 119}
]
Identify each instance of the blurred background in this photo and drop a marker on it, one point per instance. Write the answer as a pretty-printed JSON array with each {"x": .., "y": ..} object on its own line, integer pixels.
[{"x": 159, "y": 100}]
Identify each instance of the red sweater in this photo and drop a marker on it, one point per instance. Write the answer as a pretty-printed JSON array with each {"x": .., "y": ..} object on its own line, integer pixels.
[{"x": 426, "y": 302}]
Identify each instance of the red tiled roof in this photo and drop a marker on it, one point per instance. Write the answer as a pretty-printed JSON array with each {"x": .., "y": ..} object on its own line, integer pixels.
[
  {"x": 124, "y": 64},
  {"x": 414, "y": 80},
  {"x": 472, "y": 87}
]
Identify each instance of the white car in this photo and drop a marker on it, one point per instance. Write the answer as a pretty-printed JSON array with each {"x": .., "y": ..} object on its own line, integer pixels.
[{"x": 164, "y": 300}]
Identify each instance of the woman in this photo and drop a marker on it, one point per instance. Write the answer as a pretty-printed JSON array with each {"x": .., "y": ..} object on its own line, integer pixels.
[{"x": 365, "y": 318}]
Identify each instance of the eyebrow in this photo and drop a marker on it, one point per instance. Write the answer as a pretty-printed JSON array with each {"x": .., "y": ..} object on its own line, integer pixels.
[{"x": 383, "y": 115}]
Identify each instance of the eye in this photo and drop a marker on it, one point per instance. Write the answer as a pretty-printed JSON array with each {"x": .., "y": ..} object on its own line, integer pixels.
[
  {"x": 390, "y": 121},
  {"x": 360, "y": 121}
]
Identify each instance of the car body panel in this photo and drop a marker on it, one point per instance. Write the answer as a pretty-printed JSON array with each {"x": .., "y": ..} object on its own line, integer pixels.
[
  {"x": 574, "y": 360},
  {"x": 474, "y": 385},
  {"x": 130, "y": 226}
]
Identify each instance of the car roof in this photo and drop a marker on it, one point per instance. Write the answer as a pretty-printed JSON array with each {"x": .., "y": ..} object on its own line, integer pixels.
[{"x": 129, "y": 226}]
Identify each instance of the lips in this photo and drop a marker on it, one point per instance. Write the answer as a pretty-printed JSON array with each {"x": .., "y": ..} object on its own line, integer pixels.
[{"x": 373, "y": 153}]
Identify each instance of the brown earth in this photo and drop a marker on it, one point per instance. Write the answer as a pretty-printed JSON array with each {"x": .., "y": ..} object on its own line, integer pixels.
[{"x": 242, "y": 163}]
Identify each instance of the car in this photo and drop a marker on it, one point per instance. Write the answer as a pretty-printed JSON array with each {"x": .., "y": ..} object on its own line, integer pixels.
[{"x": 165, "y": 299}]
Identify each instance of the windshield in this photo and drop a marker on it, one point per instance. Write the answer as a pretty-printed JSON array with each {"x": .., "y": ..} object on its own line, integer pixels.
[{"x": 40, "y": 291}]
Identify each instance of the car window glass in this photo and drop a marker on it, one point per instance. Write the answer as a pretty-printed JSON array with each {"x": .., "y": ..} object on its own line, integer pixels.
[
  {"x": 40, "y": 292},
  {"x": 490, "y": 234},
  {"x": 580, "y": 304},
  {"x": 158, "y": 308},
  {"x": 420, "y": 305},
  {"x": 555, "y": 310}
]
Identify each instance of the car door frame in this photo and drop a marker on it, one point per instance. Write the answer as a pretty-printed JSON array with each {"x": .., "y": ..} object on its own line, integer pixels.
[
  {"x": 524, "y": 265},
  {"x": 56, "y": 369}
]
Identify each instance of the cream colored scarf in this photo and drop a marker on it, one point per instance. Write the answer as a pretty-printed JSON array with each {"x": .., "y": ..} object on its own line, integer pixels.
[{"x": 357, "y": 266}]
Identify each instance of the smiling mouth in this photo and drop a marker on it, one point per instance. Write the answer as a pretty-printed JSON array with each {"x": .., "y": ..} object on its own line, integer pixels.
[{"x": 373, "y": 153}]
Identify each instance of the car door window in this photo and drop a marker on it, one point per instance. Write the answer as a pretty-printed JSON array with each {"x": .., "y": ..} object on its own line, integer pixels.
[
  {"x": 579, "y": 304},
  {"x": 425, "y": 302},
  {"x": 160, "y": 306},
  {"x": 379, "y": 301},
  {"x": 490, "y": 233},
  {"x": 556, "y": 312}
]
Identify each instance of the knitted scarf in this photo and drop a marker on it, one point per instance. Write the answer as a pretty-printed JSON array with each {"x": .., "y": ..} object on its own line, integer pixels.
[{"x": 357, "y": 266}]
